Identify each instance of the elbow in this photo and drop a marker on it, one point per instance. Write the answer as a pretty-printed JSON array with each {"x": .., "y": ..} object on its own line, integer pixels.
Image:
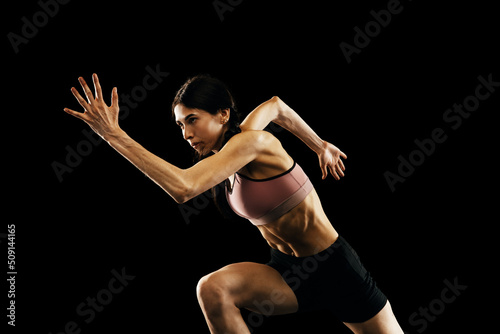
[
  {"x": 274, "y": 99},
  {"x": 281, "y": 110},
  {"x": 275, "y": 107},
  {"x": 276, "y": 102},
  {"x": 180, "y": 199},
  {"x": 183, "y": 195}
]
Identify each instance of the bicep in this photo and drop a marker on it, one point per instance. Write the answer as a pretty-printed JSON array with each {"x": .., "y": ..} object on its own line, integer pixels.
[{"x": 237, "y": 153}]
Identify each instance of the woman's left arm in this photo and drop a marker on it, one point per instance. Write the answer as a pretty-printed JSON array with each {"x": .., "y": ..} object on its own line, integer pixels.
[
  {"x": 180, "y": 184},
  {"x": 277, "y": 111}
]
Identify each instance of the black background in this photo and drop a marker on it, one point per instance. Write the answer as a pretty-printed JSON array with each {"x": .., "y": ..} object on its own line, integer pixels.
[{"x": 437, "y": 225}]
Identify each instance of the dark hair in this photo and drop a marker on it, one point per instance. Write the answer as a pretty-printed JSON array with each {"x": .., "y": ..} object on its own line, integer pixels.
[{"x": 210, "y": 94}]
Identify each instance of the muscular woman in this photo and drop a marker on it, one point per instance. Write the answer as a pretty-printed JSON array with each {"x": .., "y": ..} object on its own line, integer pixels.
[{"x": 311, "y": 266}]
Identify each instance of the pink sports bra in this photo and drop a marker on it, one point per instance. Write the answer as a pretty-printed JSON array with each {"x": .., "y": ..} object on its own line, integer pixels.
[{"x": 264, "y": 201}]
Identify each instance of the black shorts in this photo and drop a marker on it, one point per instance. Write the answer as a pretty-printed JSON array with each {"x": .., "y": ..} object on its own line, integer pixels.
[{"x": 333, "y": 279}]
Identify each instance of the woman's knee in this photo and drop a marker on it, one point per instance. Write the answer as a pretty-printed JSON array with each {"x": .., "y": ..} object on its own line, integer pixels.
[{"x": 213, "y": 292}]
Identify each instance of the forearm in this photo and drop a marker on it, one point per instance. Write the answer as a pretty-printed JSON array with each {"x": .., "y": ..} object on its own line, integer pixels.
[
  {"x": 169, "y": 177},
  {"x": 292, "y": 122}
]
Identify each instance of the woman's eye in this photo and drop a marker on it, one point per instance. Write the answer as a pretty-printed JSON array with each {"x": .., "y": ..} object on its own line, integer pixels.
[{"x": 191, "y": 120}]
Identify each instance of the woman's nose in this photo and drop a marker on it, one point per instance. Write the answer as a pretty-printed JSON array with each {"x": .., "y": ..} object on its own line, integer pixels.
[{"x": 187, "y": 134}]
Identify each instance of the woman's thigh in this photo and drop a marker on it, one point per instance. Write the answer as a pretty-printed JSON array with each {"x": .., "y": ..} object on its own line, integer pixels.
[
  {"x": 383, "y": 323},
  {"x": 253, "y": 286}
]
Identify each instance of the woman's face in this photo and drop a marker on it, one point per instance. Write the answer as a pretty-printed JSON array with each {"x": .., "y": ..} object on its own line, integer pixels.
[{"x": 201, "y": 129}]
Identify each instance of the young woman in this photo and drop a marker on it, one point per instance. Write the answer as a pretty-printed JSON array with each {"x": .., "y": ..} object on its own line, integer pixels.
[{"x": 311, "y": 266}]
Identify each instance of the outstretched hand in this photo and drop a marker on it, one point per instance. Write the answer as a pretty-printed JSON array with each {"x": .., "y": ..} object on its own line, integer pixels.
[
  {"x": 103, "y": 119},
  {"x": 329, "y": 159}
]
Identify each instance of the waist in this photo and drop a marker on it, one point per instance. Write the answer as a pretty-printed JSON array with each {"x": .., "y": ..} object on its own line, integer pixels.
[
  {"x": 292, "y": 242},
  {"x": 321, "y": 253}
]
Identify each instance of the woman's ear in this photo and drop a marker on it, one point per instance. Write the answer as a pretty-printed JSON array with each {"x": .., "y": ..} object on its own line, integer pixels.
[{"x": 224, "y": 115}]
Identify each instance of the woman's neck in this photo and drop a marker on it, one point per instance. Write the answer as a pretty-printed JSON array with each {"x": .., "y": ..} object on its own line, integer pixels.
[{"x": 220, "y": 141}]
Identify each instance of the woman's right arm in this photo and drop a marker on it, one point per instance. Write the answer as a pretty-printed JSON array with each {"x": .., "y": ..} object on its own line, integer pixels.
[{"x": 277, "y": 111}]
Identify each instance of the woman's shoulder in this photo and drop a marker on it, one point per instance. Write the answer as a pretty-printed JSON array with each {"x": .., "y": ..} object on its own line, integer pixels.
[
  {"x": 261, "y": 135},
  {"x": 260, "y": 138},
  {"x": 271, "y": 158}
]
